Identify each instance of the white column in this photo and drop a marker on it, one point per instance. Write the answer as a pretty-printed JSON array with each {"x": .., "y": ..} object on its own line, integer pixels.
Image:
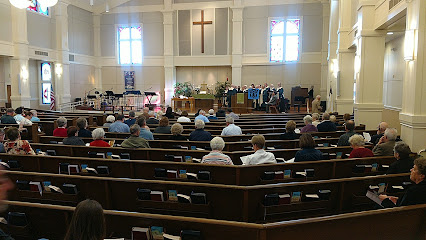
[
  {"x": 345, "y": 60},
  {"x": 19, "y": 63},
  {"x": 237, "y": 42},
  {"x": 167, "y": 85},
  {"x": 62, "y": 84},
  {"x": 97, "y": 50},
  {"x": 324, "y": 49},
  {"x": 332, "y": 55},
  {"x": 413, "y": 113},
  {"x": 370, "y": 59}
]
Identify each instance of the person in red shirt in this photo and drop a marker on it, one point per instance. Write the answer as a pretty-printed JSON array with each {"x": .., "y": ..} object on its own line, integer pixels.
[
  {"x": 359, "y": 151},
  {"x": 61, "y": 131},
  {"x": 98, "y": 134}
]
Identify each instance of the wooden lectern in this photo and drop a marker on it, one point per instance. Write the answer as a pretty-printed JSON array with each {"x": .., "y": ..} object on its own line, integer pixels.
[{"x": 245, "y": 105}]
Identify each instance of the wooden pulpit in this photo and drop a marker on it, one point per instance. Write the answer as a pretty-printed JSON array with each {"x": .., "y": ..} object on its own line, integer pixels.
[{"x": 241, "y": 104}]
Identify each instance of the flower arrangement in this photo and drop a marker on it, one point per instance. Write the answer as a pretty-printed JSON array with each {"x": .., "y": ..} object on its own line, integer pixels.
[
  {"x": 184, "y": 89},
  {"x": 220, "y": 89}
]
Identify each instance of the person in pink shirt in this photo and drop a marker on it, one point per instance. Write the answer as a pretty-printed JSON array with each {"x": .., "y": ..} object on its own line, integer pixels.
[{"x": 359, "y": 151}]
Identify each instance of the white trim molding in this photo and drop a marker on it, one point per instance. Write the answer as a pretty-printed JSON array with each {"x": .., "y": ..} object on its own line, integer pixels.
[
  {"x": 413, "y": 121},
  {"x": 147, "y": 61},
  {"x": 6, "y": 48}
]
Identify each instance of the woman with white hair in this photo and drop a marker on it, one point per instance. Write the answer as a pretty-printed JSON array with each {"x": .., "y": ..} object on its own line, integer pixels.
[
  {"x": 212, "y": 116},
  {"x": 315, "y": 119},
  {"x": 61, "y": 131},
  {"x": 199, "y": 134},
  {"x": 216, "y": 156},
  {"x": 98, "y": 136},
  {"x": 359, "y": 151},
  {"x": 177, "y": 130},
  {"x": 309, "y": 126},
  {"x": 109, "y": 120}
]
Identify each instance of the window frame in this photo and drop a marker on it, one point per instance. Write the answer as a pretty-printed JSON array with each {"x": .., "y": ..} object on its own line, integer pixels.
[
  {"x": 300, "y": 18},
  {"x": 117, "y": 47}
]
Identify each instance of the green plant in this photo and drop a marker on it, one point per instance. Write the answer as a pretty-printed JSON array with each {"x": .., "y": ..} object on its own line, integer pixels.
[
  {"x": 220, "y": 89},
  {"x": 184, "y": 89}
]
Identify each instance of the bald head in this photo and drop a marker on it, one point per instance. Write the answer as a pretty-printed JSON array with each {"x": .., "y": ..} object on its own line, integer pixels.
[
  {"x": 382, "y": 127},
  {"x": 350, "y": 125}
]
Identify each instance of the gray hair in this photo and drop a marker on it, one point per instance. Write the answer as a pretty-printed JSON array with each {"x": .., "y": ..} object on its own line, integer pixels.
[
  {"x": 177, "y": 129},
  {"x": 391, "y": 134},
  {"x": 62, "y": 122},
  {"x": 333, "y": 118},
  {"x": 159, "y": 115},
  {"x": 217, "y": 144},
  {"x": 211, "y": 111},
  {"x": 199, "y": 124},
  {"x": 132, "y": 114},
  {"x": 316, "y": 116},
  {"x": 134, "y": 129},
  {"x": 98, "y": 133},
  {"x": 229, "y": 120},
  {"x": 307, "y": 119},
  {"x": 202, "y": 112},
  {"x": 357, "y": 140},
  {"x": 34, "y": 112},
  {"x": 110, "y": 119},
  {"x": 402, "y": 149}
]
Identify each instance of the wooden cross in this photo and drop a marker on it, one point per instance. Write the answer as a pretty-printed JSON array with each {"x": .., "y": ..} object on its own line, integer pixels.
[{"x": 202, "y": 29}]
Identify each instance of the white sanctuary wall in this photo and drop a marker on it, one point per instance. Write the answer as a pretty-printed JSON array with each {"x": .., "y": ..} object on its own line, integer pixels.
[
  {"x": 80, "y": 31},
  {"x": 42, "y": 29}
]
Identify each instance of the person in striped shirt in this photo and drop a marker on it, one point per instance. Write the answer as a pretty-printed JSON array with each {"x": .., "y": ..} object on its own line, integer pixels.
[{"x": 216, "y": 156}]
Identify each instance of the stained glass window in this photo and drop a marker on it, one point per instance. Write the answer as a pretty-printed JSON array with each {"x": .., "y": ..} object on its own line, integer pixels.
[
  {"x": 46, "y": 82},
  {"x": 37, "y": 7},
  {"x": 130, "y": 45},
  {"x": 285, "y": 40}
]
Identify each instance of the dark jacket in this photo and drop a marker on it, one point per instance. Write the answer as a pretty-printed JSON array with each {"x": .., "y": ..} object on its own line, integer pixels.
[
  {"x": 165, "y": 130},
  {"x": 402, "y": 165},
  {"x": 6, "y": 119},
  {"x": 308, "y": 154},
  {"x": 326, "y": 126},
  {"x": 130, "y": 122},
  {"x": 375, "y": 138},
  {"x": 384, "y": 149},
  {"x": 84, "y": 133},
  {"x": 178, "y": 137},
  {"x": 152, "y": 121},
  {"x": 73, "y": 141},
  {"x": 289, "y": 136},
  {"x": 344, "y": 139},
  {"x": 414, "y": 195},
  {"x": 200, "y": 135}
]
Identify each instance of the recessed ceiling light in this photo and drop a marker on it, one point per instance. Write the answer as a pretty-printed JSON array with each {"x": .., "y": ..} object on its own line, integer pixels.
[{"x": 390, "y": 33}]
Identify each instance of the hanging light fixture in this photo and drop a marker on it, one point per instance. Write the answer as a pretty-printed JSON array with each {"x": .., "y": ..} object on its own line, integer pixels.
[
  {"x": 91, "y": 2},
  {"x": 21, "y": 4},
  {"x": 48, "y": 3},
  {"x": 107, "y": 7}
]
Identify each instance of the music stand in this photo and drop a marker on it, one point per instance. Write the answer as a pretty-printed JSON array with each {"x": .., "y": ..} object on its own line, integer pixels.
[{"x": 149, "y": 96}]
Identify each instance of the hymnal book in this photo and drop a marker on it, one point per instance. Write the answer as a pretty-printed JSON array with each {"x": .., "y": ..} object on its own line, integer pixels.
[
  {"x": 196, "y": 160},
  {"x": 46, "y": 185},
  {"x": 333, "y": 145},
  {"x": 91, "y": 170},
  {"x": 268, "y": 176},
  {"x": 157, "y": 233},
  {"x": 68, "y": 188},
  {"x": 339, "y": 155},
  {"x": 184, "y": 147},
  {"x": 182, "y": 173},
  {"x": 296, "y": 197},
  {"x": 383, "y": 168},
  {"x": 73, "y": 169},
  {"x": 320, "y": 145},
  {"x": 102, "y": 170},
  {"x": 184, "y": 198},
  {"x": 325, "y": 144},
  {"x": 311, "y": 197},
  {"x": 188, "y": 159},
  {"x": 115, "y": 156},
  {"x": 373, "y": 187},
  {"x": 14, "y": 164},
  {"x": 139, "y": 233},
  {"x": 190, "y": 235},
  {"x": 160, "y": 172},
  {"x": 84, "y": 168},
  {"x": 279, "y": 175},
  {"x": 297, "y": 130},
  {"x": 200, "y": 149},
  {"x": 169, "y": 157},
  {"x": 109, "y": 155},
  {"x": 198, "y": 198},
  {"x": 284, "y": 199},
  {"x": 367, "y": 136},
  {"x": 157, "y": 196},
  {"x": 374, "y": 167},
  {"x": 36, "y": 187},
  {"x": 23, "y": 185},
  {"x": 373, "y": 195},
  {"x": 143, "y": 194},
  {"x": 172, "y": 174},
  {"x": 287, "y": 173},
  {"x": 191, "y": 176},
  {"x": 193, "y": 147},
  {"x": 111, "y": 143},
  {"x": 172, "y": 195},
  {"x": 178, "y": 158},
  {"x": 63, "y": 168},
  {"x": 55, "y": 189},
  {"x": 382, "y": 188},
  {"x": 170, "y": 237},
  {"x": 310, "y": 172},
  {"x": 203, "y": 175},
  {"x": 324, "y": 194},
  {"x": 271, "y": 199},
  {"x": 270, "y": 148},
  {"x": 280, "y": 159},
  {"x": 300, "y": 174}
]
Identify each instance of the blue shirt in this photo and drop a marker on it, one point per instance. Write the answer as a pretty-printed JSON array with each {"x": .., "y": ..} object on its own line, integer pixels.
[
  {"x": 146, "y": 134},
  {"x": 202, "y": 118},
  {"x": 18, "y": 117},
  {"x": 212, "y": 118},
  {"x": 231, "y": 130},
  {"x": 35, "y": 119},
  {"x": 119, "y": 126}
]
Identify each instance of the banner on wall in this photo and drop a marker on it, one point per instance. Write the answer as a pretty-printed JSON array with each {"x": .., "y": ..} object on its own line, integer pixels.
[
  {"x": 253, "y": 93},
  {"x": 129, "y": 80}
]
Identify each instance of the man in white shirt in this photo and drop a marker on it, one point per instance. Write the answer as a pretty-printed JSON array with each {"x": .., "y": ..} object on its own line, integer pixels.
[
  {"x": 260, "y": 156},
  {"x": 231, "y": 129},
  {"x": 183, "y": 117}
]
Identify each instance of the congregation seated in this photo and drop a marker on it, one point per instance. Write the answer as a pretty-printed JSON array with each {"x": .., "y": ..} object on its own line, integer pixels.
[
  {"x": 119, "y": 125},
  {"x": 87, "y": 222},
  {"x": 308, "y": 152},
  {"x": 216, "y": 156},
  {"x": 145, "y": 111},
  {"x": 231, "y": 129},
  {"x": 230, "y": 113},
  {"x": 315, "y": 119},
  {"x": 163, "y": 126},
  {"x": 404, "y": 162},
  {"x": 344, "y": 138},
  {"x": 34, "y": 118},
  {"x": 359, "y": 151},
  {"x": 380, "y": 132},
  {"x": 14, "y": 144},
  {"x": 82, "y": 128},
  {"x": 1, "y": 140},
  {"x": 151, "y": 119},
  {"x": 326, "y": 125},
  {"x": 109, "y": 120},
  {"x": 414, "y": 194},
  {"x": 145, "y": 133},
  {"x": 346, "y": 117},
  {"x": 5, "y": 186},
  {"x": 199, "y": 134},
  {"x": 202, "y": 116},
  {"x": 134, "y": 141},
  {"x": 184, "y": 117},
  {"x": 61, "y": 131},
  {"x": 98, "y": 136},
  {"x": 25, "y": 121},
  {"x": 309, "y": 126},
  {"x": 212, "y": 116},
  {"x": 177, "y": 130},
  {"x": 333, "y": 119},
  {"x": 18, "y": 117},
  {"x": 8, "y": 117},
  {"x": 386, "y": 143},
  {"x": 289, "y": 134},
  {"x": 260, "y": 156},
  {"x": 169, "y": 113},
  {"x": 72, "y": 137},
  {"x": 131, "y": 120}
]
